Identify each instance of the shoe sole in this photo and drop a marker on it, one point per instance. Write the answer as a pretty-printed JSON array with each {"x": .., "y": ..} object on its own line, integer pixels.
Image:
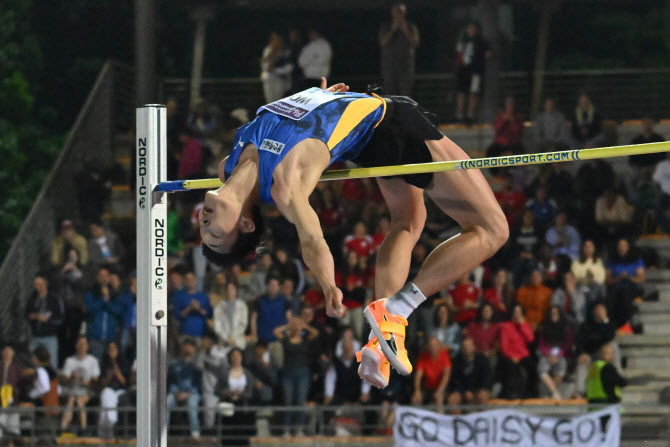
[
  {"x": 369, "y": 369},
  {"x": 386, "y": 349}
]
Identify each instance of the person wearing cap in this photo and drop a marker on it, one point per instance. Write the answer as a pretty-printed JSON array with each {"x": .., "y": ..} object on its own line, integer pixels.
[{"x": 68, "y": 238}]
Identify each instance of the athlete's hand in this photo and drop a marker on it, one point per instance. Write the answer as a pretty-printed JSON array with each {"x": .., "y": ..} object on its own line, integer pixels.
[
  {"x": 336, "y": 88},
  {"x": 334, "y": 306}
]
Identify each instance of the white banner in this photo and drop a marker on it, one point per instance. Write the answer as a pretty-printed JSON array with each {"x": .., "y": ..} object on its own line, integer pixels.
[{"x": 496, "y": 428}]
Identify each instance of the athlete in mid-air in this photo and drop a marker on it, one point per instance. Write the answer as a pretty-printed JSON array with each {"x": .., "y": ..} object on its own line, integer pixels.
[{"x": 279, "y": 157}]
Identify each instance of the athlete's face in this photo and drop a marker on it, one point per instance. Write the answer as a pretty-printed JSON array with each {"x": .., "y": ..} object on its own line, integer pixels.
[{"x": 219, "y": 222}]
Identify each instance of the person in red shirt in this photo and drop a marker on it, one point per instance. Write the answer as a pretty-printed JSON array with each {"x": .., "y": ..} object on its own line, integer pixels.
[
  {"x": 484, "y": 332},
  {"x": 191, "y": 154},
  {"x": 508, "y": 131},
  {"x": 353, "y": 281},
  {"x": 383, "y": 228},
  {"x": 511, "y": 201},
  {"x": 516, "y": 366},
  {"x": 360, "y": 241},
  {"x": 431, "y": 374},
  {"x": 464, "y": 300},
  {"x": 499, "y": 295}
]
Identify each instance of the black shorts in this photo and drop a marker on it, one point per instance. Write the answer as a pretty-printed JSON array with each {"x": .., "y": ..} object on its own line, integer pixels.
[
  {"x": 400, "y": 139},
  {"x": 468, "y": 81}
]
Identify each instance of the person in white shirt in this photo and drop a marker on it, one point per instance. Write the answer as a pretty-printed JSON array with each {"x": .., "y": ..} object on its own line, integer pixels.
[
  {"x": 231, "y": 316},
  {"x": 79, "y": 374},
  {"x": 276, "y": 68},
  {"x": 662, "y": 179},
  {"x": 315, "y": 59}
]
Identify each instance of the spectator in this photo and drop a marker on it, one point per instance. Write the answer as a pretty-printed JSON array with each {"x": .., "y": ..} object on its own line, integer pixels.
[
  {"x": 647, "y": 135},
  {"x": 115, "y": 374},
  {"x": 270, "y": 310},
  {"x": 525, "y": 247},
  {"x": 613, "y": 214},
  {"x": 184, "y": 379},
  {"x": 508, "y": 131},
  {"x": 331, "y": 215},
  {"x": 259, "y": 274},
  {"x": 535, "y": 299},
  {"x": 347, "y": 335},
  {"x": 9, "y": 396},
  {"x": 604, "y": 382},
  {"x": 128, "y": 299},
  {"x": 484, "y": 332},
  {"x": 192, "y": 308},
  {"x": 43, "y": 375},
  {"x": 563, "y": 238},
  {"x": 235, "y": 388},
  {"x": 79, "y": 375},
  {"x": 447, "y": 332},
  {"x": 201, "y": 121},
  {"x": 500, "y": 294},
  {"x": 67, "y": 240},
  {"x": 625, "y": 278},
  {"x": 550, "y": 129},
  {"x": 342, "y": 384},
  {"x": 431, "y": 374},
  {"x": 353, "y": 281},
  {"x": 198, "y": 258},
  {"x": 515, "y": 363},
  {"x": 231, "y": 317},
  {"x": 472, "y": 51},
  {"x": 211, "y": 359},
  {"x": 554, "y": 348},
  {"x": 591, "y": 181},
  {"x": 295, "y": 44},
  {"x": 190, "y": 159},
  {"x": 286, "y": 266},
  {"x": 547, "y": 264},
  {"x": 464, "y": 300},
  {"x": 45, "y": 313},
  {"x": 359, "y": 241},
  {"x": 103, "y": 313},
  {"x": 559, "y": 186},
  {"x": 542, "y": 207},
  {"x": 589, "y": 271},
  {"x": 571, "y": 300},
  {"x": 315, "y": 59},
  {"x": 383, "y": 229},
  {"x": 262, "y": 368},
  {"x": 104, "y": 247},
  {"x": 511, "y": 201},
  {"x": 587, "y": 124},
  {"x": 661, "y": 177},
  {"x": 70, "y": 281},
  {"x": 398, "y": 40},
  {"x": 471, "y": 377},
  {"x": 276, "y": 68}
]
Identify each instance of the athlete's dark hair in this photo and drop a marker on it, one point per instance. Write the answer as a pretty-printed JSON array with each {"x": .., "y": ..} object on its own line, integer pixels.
[{"x": 245, "y": 245}]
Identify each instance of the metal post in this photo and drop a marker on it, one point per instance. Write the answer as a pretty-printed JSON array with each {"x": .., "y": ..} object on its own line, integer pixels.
[
  {"x": 151, "y": 277},
  {"x": 145, "y": 51}
]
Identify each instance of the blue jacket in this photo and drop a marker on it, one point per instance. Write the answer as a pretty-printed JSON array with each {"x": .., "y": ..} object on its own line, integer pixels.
[
  {"x": 183, "y": 377},
  {"x": 192, "y": 324},
  {"x": 129, "y": 302},
  {"x": 103, "y": 317}
]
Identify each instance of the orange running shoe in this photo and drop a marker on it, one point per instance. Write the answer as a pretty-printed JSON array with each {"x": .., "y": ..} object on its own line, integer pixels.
[
  {"x": 390, "y": 331},
  {"x": 374, "y": 368}
]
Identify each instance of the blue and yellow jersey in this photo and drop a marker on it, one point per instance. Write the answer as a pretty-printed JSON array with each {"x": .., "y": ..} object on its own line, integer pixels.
[{"x": 343, "y": 121}]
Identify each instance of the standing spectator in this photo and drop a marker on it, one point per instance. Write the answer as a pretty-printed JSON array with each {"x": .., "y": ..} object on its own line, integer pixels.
[
  {"x": 499, "y": 295},
  {"x": 264, "y": 371},
  {"x": 511, "y": 201},
  {"x": 286, "y": 266},
  {"x": 67, "y": 240},
  {"x": 559, "y": 186},
  {"x": 571, "y": 300},
  {"x": 103, "y": 313},
  {"x": 398, "y": 41},
  {"x": 128, "y": 299},
  {"x": 647, "y": 135},
  {"x": 295, "y": 44},
  {"x": 315, "y": 59},
  {"x": 201, "y": 121},
  {"x": 515, "y": 363},
  {"x": 45, "y": 313},
  {"x": 525, "y": 247},
  {"x": 613, "y": 214},
  {"x": 9, "y": 393},
  {"x": 359, "y": 241},
  {"x": 431, "y": 374},
  {"x": 80, "y": 373},
  {"x": 183, "y": 385},
  {"x": 71, "y": 279},
  {"x": 270, "y": 310},
  {"x": 190, "y": 159},
  {"x": 472, "y": 51},
  {"x": 625, "y": 279},
  {"x": 342, "y": 384},
  {"x": 604, "y": 382},
  {"x": 464, "y": 300},
  {"x": 44, "y": 393},
  {"x": 589, "y": 271},
  {"x": 353, "y": 281},
  {"x": 192, "y": 308},
  {"x": 447, "y": 332},
  {"x": 554, "y": 347},
  {"x": 661, "y": 177},
  {"x": 231, "y": 317},
  {"x": 114, "y": 381},
  {"x": 211, "y": 359},
  {"x": 542, "y": 207},
  {"x": 104, "y": 247},
  {"x": 535, "y": 299},
  {"x": 276, "y": 68},
  {"x": 259, "y": 274},
  {"x": 508, "y": 131},
  {"x": 470, "y": 377},
  {"x": 550, "y": 128},
  {"x": 587, "y": 124},
  {"x": 563, "y": 238},
  {"x": 198, "y": 258}
]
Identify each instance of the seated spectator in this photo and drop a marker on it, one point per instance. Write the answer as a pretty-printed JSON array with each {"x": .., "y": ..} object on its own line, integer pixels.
[
  {"x": 589, "y": 271},
  {"x": 192, "y": 308},
  {"x": 535, "y": 299},
  {"x": 114, "y": 382},
  {"x": 510, "y": 200},
  {"x": 647, "y": 135},
  {"x": 563, "y": 238},
  {"x": 79, "y": 375},
  {"x": 515, "y": 365},
  {"x": 45, "y": 314},
  {"x": 190, "y": 159},
  {"x": 464, "y": 300},
  {"x": 383, "y": 229},
  {"x": 287, "y": 288},
  {"x": 128, "y": 300},
  {"x": 9, "y": 397},
  {"x": 471, "y": 377},
  {"x": 508, "y": 131},
  {"x": 286, "y": 266},
  {"x": 500, "y": 294},
  {"x": 183, "y": 385},
  {"x": 447, "y": 332},
  {"x": 353, "y": 281},
  {"x": 211, "y": 359},
  {"x": 587, "y": 124},
  {"x": 270, "y": 311},
  {"x": 550, "y": 129},
  {"x": 104, "y": 247},
  {"x": 484, "y": 332},
  {"x": 625, "y": 279},
  {"x": 259, "y": 274},
  {"x": 67, "y": 240},
  {"x": 571, "y": 299},
  {"x": 103, "y": 313},
  {"x": 661, "y": 178},
  {"x": 524, "y": 248},
  {"x": 431, "y": 374},
  {"x": 559, "y": 186},
  {"x": 331, "y": 215},
  {"x": 43, "y": 374},
  {"x": 231, "y": 318},
  {"x": 554, "y": 348},
  {"x": 217, "y": 289},
  {"x": 542, "y": 207},
  {"x": 613, "y": 213},
  {"x": 263, "y": 370},
  {"x": 592, "y": 335},
  {"x": 604, "y": 382},
  {"x": 547, "y": 264},
  {"x": 359, "y": 241}
]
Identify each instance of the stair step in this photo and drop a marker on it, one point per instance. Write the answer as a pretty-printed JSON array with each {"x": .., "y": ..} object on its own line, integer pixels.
[
  {"x": 643, "y": 340},
  {"x": 657, "y": 328},
  {"x": 658, "y": 275},
  {"x": 653, "y": 318},
  {"x": 653, "y": 374},
  {"x": 644, "y": 443},
  {"x": 124, "y": 160},
  {"x": 650, "y": 362},
  {"x": 646, "y": 351},
  {"x": 655, "y": 307}
]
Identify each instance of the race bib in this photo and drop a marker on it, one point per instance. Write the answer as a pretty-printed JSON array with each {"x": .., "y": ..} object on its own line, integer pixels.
[{"x": 298, "y": 106}]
